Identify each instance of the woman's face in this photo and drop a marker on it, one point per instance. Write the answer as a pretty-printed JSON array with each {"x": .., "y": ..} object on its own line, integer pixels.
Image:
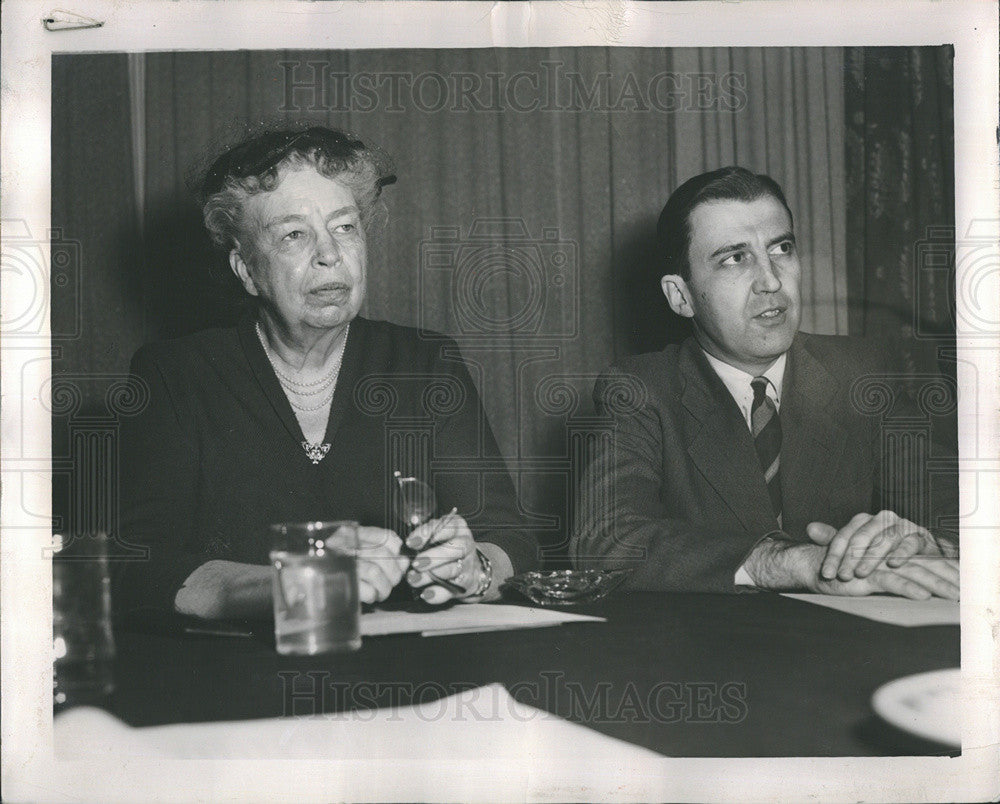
[{"x": 303, "y": 251}]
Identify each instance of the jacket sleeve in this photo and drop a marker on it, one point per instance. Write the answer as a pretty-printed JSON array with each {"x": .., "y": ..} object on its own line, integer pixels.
[
  {"x": 620, "y": 520},
  {"x": 158, "y": 485},
  {"x": 484, "y": 493}
]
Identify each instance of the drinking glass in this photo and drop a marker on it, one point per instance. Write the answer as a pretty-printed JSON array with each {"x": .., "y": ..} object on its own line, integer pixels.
[
  {"x": 316, "y": 604},
  {"x": 83, "y": 647}
]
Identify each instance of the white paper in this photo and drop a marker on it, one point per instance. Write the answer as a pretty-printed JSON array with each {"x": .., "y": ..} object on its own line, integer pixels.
[
  {"x": 892, "y": 610},
  {"x": 458, "y": 727},
  {"x": 466, "y": 619}
]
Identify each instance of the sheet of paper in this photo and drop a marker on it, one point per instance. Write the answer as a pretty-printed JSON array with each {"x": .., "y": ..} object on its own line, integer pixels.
[
  {"x": 465, "y": 619},
  {"x": 892, "y": 610},
  {"x": 484, "y": 721}
]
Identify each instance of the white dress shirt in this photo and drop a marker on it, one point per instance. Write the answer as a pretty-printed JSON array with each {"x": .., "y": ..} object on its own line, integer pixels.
[{"x": 738, "y": 384}]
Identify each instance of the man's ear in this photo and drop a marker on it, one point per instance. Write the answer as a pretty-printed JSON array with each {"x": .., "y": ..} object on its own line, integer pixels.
[
  {"x": 242, "y": 271},
  {"x": 678, "y": 295}
]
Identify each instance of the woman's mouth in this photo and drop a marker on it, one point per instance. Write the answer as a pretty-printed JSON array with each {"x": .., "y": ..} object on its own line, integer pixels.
[{"x": 331, "y": 291}]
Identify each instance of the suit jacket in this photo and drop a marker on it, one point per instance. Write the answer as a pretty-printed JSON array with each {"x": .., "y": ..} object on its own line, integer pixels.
[
  {"x": 677, "y": 491},
  {"x": 215, "y": 454}
]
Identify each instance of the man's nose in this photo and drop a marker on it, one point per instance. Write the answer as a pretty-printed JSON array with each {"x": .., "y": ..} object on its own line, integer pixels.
[{"x": 767, "y": 279}]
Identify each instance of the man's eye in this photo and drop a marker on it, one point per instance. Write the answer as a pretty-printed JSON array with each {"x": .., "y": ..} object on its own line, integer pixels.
[
  {"x": 295, "y": 234},
  {"x": 784, "y": 247},
  {"x": 734, "y": 259},
  {"x": 346, "y": 228}
]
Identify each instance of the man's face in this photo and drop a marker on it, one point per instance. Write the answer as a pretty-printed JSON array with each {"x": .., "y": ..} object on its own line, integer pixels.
[
  {"x": 743, "y": 293},
  {"x": 304, "y": 251}
]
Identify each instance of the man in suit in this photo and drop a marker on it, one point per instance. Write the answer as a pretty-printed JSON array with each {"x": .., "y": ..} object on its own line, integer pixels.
[{"x": 743, "y": 457}]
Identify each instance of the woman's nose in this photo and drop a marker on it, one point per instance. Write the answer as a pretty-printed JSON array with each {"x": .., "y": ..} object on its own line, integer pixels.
[{"x": 327, "y": 249}]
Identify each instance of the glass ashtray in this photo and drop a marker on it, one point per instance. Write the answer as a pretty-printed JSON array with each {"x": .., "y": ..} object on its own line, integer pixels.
[{"x": 567, "y": 587}]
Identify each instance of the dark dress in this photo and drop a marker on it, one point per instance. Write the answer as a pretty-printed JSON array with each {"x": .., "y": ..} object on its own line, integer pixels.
[{"x": 216, "y": 454}]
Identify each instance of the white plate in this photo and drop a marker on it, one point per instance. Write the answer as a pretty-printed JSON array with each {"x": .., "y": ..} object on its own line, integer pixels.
[{"x": 926, "y": 705}]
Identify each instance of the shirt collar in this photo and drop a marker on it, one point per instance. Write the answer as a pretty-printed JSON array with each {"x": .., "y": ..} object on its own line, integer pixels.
[{"x": 738, "y": 381}]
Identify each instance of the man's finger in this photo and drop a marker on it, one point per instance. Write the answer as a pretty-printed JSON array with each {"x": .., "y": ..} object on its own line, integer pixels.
[
  {"x": 876, "y": 535},
  {"x": 913, "y": 540},
  {"x": 905, "y": 550},
  {"x": 899, "y": 540},
  {"x": 933, "y": 582},
  {"x": 895, "y": 584},
  {"x": 820, "y": 532},
  {"x": 839, "y": 544}
]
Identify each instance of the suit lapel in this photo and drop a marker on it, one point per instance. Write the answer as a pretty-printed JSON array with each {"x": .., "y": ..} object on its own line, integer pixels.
[
  {"x": 721, "y": 447},
  {"x": 812, "y": 440}
]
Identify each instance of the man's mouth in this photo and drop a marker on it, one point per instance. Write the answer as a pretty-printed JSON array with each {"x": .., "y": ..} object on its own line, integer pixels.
[{"x": 771, "y": 313}]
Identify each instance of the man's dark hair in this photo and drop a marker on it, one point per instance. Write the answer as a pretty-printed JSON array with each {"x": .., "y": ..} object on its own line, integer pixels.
[{"x": 673, "y": 230}]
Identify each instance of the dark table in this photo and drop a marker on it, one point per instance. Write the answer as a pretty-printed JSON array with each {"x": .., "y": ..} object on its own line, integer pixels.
[{"x": 685, "y": 675}]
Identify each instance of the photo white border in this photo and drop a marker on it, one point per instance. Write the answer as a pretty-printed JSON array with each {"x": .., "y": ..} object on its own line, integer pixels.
[{"x": 29, "y": 769}]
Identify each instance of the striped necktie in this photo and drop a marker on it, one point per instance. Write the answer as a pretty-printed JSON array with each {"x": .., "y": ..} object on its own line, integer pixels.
[{"x": 767, "y": 439}]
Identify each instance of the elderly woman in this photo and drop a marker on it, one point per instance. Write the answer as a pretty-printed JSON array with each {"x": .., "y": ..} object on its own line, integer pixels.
[{"x": 304, "y": 410}]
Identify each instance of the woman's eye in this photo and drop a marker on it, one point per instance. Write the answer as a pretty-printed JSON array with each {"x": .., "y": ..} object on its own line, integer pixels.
[{"x": 346, "y": 228}]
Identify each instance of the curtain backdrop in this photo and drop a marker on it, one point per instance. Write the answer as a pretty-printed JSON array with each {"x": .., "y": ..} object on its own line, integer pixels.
[
  {"x": 529, "y": 183},
  {"x": 901, "y": 201}
]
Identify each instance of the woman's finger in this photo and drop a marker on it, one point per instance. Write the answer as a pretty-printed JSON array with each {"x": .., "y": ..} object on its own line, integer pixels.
[
  {"x": 440, "y": 555},
  {"x": 373, "y": 575},
  {"x": 370, "y": 537},
  {"x": 393, "y": 566},
  {"x": 436, "y": 595},
  {"x": 436, "y": 530}
]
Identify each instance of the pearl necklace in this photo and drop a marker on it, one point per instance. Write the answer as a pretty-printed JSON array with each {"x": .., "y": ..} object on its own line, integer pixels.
[{"x": 318, "y": 386}]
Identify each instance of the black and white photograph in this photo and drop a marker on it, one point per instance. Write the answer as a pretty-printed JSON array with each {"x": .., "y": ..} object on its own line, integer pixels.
[{"x": 500, "y": 401}]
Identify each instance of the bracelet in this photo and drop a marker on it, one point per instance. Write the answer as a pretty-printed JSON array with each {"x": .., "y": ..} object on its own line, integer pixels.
[{"x": 486, "y": 566}]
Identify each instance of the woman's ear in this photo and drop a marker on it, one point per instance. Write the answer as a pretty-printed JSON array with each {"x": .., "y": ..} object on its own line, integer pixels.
[
  {"x": 678, "y": 295},
  {"x": 242, "y": 271}
]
